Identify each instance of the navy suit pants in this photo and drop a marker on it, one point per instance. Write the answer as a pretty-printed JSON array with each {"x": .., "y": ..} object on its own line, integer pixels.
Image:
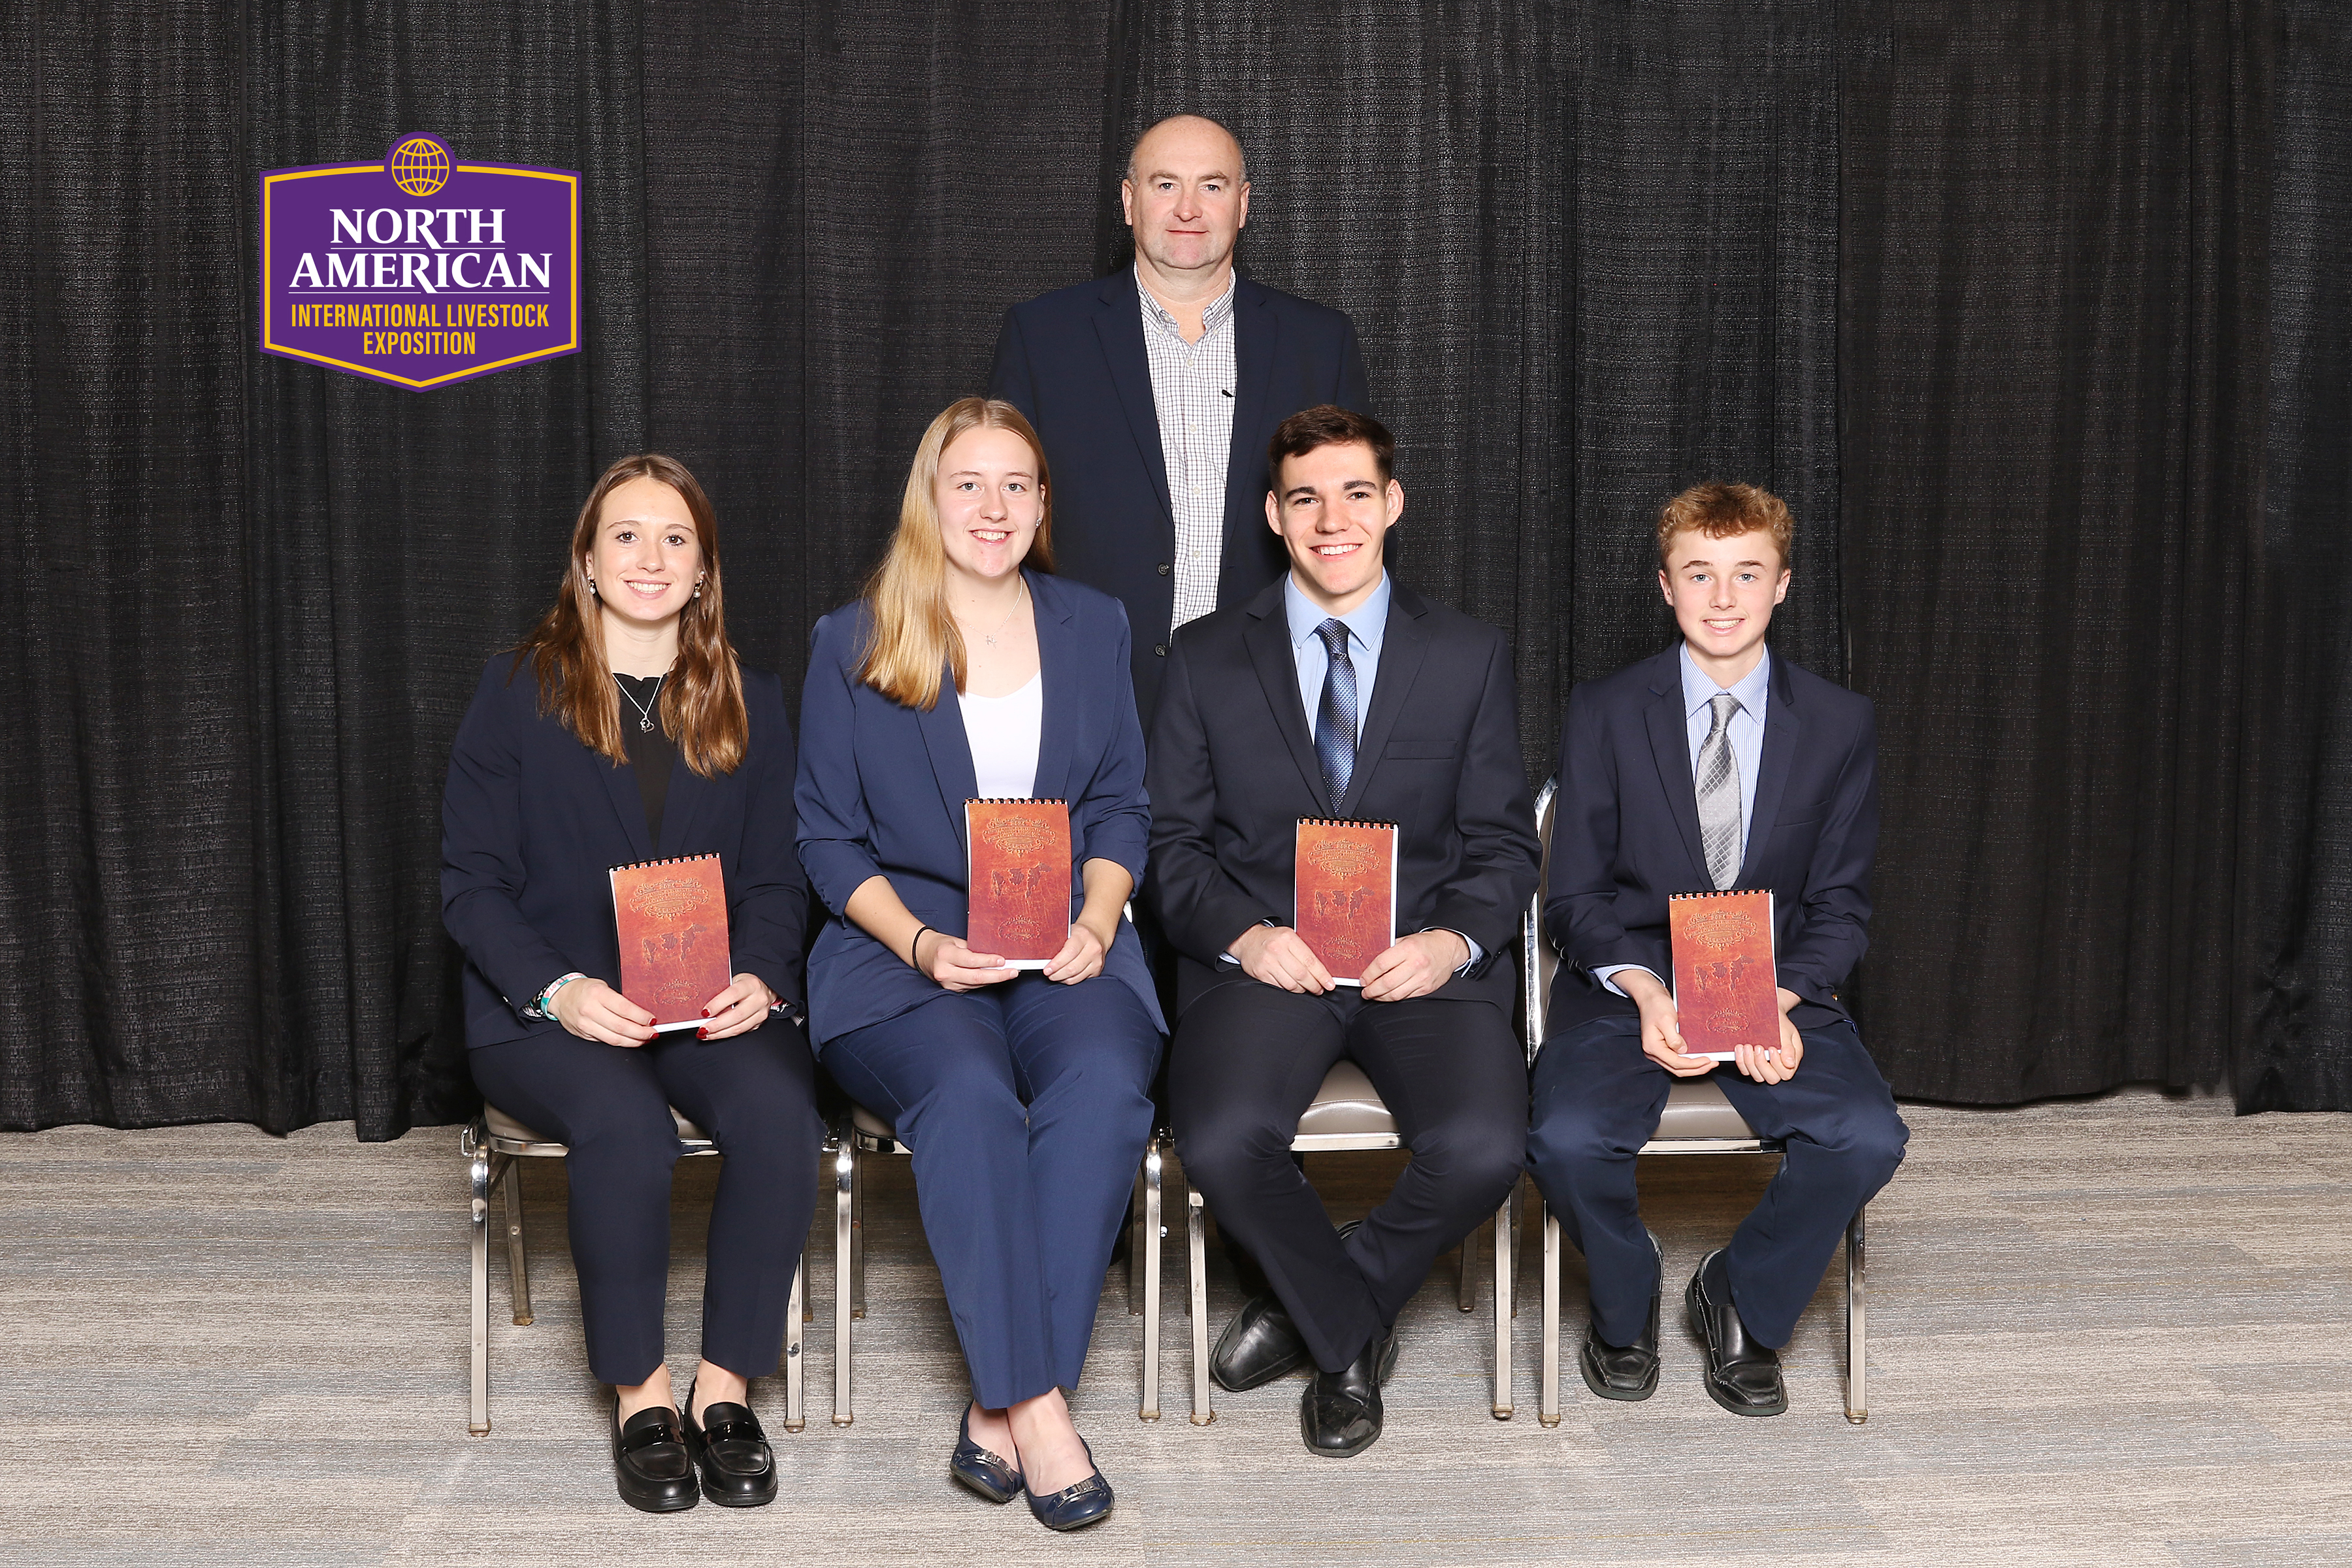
[
  {"x": 1597, "y": 1100},
  {"x": 1026, "y": 1106},
  {"x": 1247, "y": 1061},
  {"x": 755, "y": 1095}
]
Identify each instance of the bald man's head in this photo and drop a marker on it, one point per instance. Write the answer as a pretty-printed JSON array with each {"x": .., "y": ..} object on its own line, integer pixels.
[
  {"x": 1188, "y": 127},
  {"x": 1186, "y": 199}
]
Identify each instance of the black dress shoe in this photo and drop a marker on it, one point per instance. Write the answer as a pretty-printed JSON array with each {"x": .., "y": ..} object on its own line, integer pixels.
[
  {"x": 1259, "y": 1345},
  {"x": 650, "y": 1463},
  {"x": 1624, "y": 1372},
  {"x": 739, "y": 1468},
  {"x": 992, "y": 1477},
  {"x": 1340, "y": 1414},
  {"x": 1742, "y": 1376}
]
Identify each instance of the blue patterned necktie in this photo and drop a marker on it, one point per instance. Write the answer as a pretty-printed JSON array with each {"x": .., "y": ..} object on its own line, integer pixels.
[{"x": 1334, "y": 716}]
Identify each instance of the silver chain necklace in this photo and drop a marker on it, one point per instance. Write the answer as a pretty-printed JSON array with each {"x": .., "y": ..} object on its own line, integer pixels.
[
  {"x": 1020, "y": 593},
  {"x": 645, "y": 710}
]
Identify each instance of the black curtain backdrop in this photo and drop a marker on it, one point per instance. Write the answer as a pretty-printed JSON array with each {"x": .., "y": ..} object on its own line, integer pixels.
[{"x": 2036, "y": 314}]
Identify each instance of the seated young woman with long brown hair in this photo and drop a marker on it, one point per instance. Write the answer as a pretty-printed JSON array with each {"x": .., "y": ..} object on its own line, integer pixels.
[
  {"x": 969, "y": 671},
  {"x": 624, "y": 730}
]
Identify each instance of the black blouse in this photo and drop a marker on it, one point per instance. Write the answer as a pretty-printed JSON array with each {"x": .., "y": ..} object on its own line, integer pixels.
[{"x": 651, "y": 751}]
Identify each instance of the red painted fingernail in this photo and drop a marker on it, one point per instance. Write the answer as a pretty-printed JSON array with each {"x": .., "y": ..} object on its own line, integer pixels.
[{"x": 701, "y": 1034}]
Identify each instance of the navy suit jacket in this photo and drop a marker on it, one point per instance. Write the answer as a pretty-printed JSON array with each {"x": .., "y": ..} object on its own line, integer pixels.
[
  {"x": 1234, "y": 768},
  {"x": 532, "y": 820},
  {"x": 1074, "y": 362},
  {"x": 882, "y": 789},
  {"x": 1625, "y": 834}
]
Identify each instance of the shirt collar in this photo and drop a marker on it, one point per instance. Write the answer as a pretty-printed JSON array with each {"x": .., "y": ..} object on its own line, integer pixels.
[
  {"x": 1700, "y": 689},
  {"x": 1366, "y": 623},
  {"x": 1212, "y": 317}
]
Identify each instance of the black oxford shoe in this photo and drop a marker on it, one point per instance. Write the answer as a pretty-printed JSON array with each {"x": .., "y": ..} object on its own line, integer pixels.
[
  {"x": 1259, "y": 1345},
  {"x": 1742, "y": 1376},
  {"x": 1340, "y": 1415},
  {"x": 650, "y": 1463},
  {"x": 1624, "y": 1372},
  {"x": 739, "y": 1468}
]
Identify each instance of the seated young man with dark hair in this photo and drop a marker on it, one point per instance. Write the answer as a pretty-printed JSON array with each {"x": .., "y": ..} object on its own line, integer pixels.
[
  {"x": 1714, "y": 765},
  {"x": 1339, "y": 692}
]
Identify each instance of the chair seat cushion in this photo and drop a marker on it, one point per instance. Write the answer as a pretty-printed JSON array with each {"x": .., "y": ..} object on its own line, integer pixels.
[
  {"x": 1696, "y": 1108},
  {"x": 501, "y": 1125},
  {"x": 870, "y": 1124},
  {"x": 1347, "y": 1104}
]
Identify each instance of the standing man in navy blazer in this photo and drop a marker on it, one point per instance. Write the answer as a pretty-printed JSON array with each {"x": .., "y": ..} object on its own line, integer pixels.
[
  {"x": 1715, "y": 765},
  {"x": 1339, "y": 692},
  {"x": 1157, "y": 388}
]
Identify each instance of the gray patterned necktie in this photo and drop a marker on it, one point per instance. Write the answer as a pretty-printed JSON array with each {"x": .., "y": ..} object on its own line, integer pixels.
[
  {"x": 1718, "y": 794},
  {"x": 1335, "y": 717}
]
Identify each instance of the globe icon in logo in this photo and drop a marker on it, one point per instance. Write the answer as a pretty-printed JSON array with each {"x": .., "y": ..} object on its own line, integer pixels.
[{"x": 418, "y": 165}]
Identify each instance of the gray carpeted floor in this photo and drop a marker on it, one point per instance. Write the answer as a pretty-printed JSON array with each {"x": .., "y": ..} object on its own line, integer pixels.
[{"x": 2111, "y": 1334}]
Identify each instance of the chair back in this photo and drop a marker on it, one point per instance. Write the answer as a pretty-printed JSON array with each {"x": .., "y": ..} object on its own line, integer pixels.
[{"x": 1537, "y": 962}]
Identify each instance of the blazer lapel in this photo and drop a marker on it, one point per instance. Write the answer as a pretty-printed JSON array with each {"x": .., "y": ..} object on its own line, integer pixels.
[
  {"x": 1267, "y": 637},
  {"x": 1403, "y": 644},
  {"x": 950, "y": 753},
  {"x": 1120, "y": 324},
  {"x": 1256, "y": 329},
  {"x": 628, "y": 804},
  {"x": 1058, "y": 669},
  {"x": 1670, "y": 746},
  {"x": 1783, "y": 729}
]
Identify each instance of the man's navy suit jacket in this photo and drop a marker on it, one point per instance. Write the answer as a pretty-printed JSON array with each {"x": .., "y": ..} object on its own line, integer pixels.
[
  {"x": 1074, "y": 362},
  {"x": 1233, "y": 769},
  {"x": 1625, "y": 834}
]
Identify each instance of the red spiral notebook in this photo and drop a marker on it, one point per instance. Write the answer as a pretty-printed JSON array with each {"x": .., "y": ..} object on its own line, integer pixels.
[
  {"x": 1345, "y": 882},
  {"x": 1017, "y": 878},
  {"x": 1727, "y": 981},
  {"x": 672, "y": 916}
]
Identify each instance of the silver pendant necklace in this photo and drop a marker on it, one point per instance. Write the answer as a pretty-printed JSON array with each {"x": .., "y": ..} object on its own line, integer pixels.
[
  {"x": 645, "y": 710},
  {"x": 1020, "y": 593}
]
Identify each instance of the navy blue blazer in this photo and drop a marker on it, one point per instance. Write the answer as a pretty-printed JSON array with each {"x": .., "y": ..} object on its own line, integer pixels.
[
  {"x": 1234, "y": 768},
  {"x": 1074, "y": 362},
  {"x": 1625, "y": 834},
  {"x": 882, "y": 788},
  {"x": 532, "y": 820}
]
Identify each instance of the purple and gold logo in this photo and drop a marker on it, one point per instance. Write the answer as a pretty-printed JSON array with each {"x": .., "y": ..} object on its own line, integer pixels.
[{"x": 420, "y": 270}]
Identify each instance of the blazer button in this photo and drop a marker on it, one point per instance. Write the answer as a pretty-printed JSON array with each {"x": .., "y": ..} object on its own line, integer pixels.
[
  {"x": 1163, "y": 568},
  {"x": 1160, "y": 649}
]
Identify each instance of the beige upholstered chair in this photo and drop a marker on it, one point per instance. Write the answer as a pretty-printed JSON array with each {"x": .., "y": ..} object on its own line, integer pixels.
[
  {"x": 1346, "y": 1114},
  {"x": 494, "y": 1144},
  {"x": 1697, "y": 1119},
  {"x": 863, "y": 1132}
]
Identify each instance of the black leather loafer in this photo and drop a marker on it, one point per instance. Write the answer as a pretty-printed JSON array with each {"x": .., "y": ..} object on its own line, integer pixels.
[
  {"x": 1742, "y": 1376},
  {"x": 1076, "y": 1506},
  {"x": 1340, "y": 1415},
  {"x": 1259, "y": 1345},
  {"x": 974, "y": 1466},
  {"x": 739, "y": 1468},
  {"x": 650, "y": 1463},
  {"x": 1624, "y": 1372}
]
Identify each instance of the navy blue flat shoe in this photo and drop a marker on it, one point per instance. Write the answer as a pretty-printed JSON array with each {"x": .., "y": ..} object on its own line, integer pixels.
[
  {"x": 981, "y": 1471},
  {"x": 1075, "y": 1507}
]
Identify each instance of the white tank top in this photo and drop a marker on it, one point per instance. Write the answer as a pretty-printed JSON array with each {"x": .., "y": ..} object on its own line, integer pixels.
[{"x": 1004, "y": 733}]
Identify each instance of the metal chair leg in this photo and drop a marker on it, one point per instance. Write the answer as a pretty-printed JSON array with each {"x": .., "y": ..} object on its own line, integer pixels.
[
  {"x": 1502, "y": 1404},
  {"x": 1196, "y": 1228},
  {"x": 478, "y": 1420},
  {"x": 845, "y": 1165},
  {"x": 1149, "y": 1249},
  {"x": 1548, "y": 1381},
  {"x": 1857, "y": 1348},
  {"x": 517, "y": 1249},
  {"x": 856, "y": 1230},
  {"x": 795, "y": 1364}
]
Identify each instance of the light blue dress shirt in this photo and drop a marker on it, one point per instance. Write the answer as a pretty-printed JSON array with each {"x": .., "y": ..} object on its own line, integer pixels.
[
  {"x": 1367, "y": 623},
  {"x": 1745, "y": 734}
]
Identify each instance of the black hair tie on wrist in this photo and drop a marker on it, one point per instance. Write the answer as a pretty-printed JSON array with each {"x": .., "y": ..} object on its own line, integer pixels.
[{"x": 914, "y": 949}]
